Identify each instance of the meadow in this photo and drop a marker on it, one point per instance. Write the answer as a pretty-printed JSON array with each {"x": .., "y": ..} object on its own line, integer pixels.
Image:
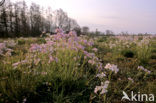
[{"x": 66, "y": 68}]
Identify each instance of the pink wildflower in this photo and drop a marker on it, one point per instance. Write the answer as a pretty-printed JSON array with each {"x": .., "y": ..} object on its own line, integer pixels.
[
  {"x": 51, "y": 59},
  {"x": 95, "y": 49}
]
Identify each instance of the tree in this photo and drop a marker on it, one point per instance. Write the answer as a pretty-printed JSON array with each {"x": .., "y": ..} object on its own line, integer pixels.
[
  {"x": 62, "y": 20},
  {"x": 85, "y": 30},
  {"x": 124, "y": 33},
  {"x": 77, "y": 30},
  {"x": 24, "y": 20},
  {"x": 48, "y": 22},
  {"x": 17, "y": 19},
  {"x": 35, "y": 19},
  {"x": 61, "y": 17},
  {"x": 2, "y": 2},
  {"x": 97, "y": 32},
  {"x": 109, "y": 32},
  {"x": 4, "y": 18},
  {"x": 11, "y": 18}
]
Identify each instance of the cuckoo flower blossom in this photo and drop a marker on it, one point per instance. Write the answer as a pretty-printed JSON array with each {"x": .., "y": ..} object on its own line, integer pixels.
[
  {"x": 101, "y": 75},
  {"x": 142, "y": 68},
  {"x": 102, "y": 88},
  {"x": 112, "y": 67}
]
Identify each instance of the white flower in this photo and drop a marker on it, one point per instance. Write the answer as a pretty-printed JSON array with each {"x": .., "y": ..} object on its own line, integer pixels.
[
  {"x": 97, "y": 88},
  {"x": 36, "y": 61},
  {"x": 15, "y": 64},
  {"x": 102, "y": 88},
  {"x": 18, "y": 63},
  {"x": 95, "y": 49},
  {"x": 131, "y": 80},
  {"x": 108, "y": 66},
  {"x": 1, "y": 52},
  {"x": 112, "y": 67},
  {"x": 44, "y": 73},
  {"x": 2, "y": 48},
  {"x": 145, "y": 70},
  {"x": 24, "y": 100},
  {"x": 101, "y": 75},
  {"x": 51, "y": 59},
  {"x": 10, "y": 43}
]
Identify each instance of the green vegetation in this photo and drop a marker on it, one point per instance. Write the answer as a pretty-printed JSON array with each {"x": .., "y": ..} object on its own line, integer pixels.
[{"x": 70, "y": 69}]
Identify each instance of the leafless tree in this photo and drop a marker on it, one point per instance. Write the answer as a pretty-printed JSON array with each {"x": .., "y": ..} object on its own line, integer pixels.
[{"x": 17, "y": 19}]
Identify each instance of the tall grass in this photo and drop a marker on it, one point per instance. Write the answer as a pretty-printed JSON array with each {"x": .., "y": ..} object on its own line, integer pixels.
[{"x": 65, "y": 68}]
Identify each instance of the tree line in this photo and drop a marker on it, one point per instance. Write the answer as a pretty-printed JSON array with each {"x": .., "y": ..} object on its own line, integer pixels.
[{"x": 18, "y": 19}]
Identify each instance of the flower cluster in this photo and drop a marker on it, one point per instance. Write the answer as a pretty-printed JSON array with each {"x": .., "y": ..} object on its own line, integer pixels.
[
  {"x": 127, "y": 41},
  {"x": 2, "y": 48},
  {"x": 10, "y": 43},
  {"x": 130, "y": 79},
  {"x": 101, "y": 75},
  {"x": 145, "y": 70},
  {"x": 6, "y": 48},
  {"x": 15, "y": 65},
  {"x": 102, "y": 88},
  {"x": 112, "y": 67},
  {"x": 43, "y": 48},
  {"x": 61, "y": 42}
]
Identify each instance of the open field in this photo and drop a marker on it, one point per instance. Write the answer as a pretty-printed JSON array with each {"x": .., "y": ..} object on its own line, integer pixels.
[{"x": 65, "y": 68}]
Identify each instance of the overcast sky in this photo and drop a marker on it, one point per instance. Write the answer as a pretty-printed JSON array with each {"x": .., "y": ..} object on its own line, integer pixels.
[{"x": 134, "y": 16}]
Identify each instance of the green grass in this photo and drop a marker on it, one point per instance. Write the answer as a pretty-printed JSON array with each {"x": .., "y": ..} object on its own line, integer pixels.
[{"x": 70, "y": 78}]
